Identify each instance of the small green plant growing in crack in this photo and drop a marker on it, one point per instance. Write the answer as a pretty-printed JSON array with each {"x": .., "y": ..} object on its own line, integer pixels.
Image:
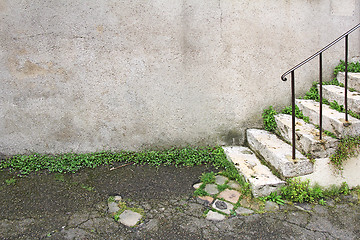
[
  {"x": 207, "y": 178},
  {"x": 274, "y": 197},
  {"x": 348, "y": 147},
  {"x": 269, "y": 119},
  {"x": 10, "y": 181}
]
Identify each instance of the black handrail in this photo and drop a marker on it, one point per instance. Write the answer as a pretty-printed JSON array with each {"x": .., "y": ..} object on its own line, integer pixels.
[{"x": 319, "y": 53}]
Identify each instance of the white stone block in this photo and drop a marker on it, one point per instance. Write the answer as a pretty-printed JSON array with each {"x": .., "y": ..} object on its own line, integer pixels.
[
  {"x": 278, "y": 153},
  {"x": 262, "y": 180},
  {"x": 333, "y": 120},
  {"x": 307, "y": 136},
  {"x": 353, "y": 79},
  {"x": 336, "y": 93}
]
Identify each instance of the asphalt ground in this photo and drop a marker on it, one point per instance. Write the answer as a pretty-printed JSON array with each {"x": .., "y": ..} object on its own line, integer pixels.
[{"x": 74, "y": 206}]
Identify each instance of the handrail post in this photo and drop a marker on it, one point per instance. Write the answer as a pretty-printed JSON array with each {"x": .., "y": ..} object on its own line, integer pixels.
[
  {"x": 320, "y": 80},
  {"x": 293, "y": 113},
  {"x": 346, "y": 75}
]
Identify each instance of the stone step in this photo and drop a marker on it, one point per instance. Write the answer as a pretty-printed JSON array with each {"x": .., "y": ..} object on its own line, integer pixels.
[
  {"x": 278, "y": 153},
  {"x": 333, "y": 120},
  {"x": 336, "y": 93},
  {"x": 262, "y": 181},
  {"x": 307, "y": 136},
  {"x": 353, "y": 79}
]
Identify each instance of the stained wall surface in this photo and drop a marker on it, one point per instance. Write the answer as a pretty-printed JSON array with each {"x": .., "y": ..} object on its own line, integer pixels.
[{"x": 111, "y": 74}]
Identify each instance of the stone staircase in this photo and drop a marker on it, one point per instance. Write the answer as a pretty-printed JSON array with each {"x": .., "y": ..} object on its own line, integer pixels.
[{"x": 267, "y": 161}]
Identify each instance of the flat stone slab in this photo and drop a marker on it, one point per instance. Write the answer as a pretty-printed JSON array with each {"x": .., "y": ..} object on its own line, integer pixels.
[
  {"x": 234, "y": 185},
  {"x": 271, "y": 206},
  {"x": 262, "y": 180},
  {"x": 353, "y": 79},
  {"x": 129, "y": 218},
  {"x": 215, "y": 216},
  {"x": 222, "y": 206},
  {"x": 113, "y": 207},
  {"x": 197, "y": 185},
  {"x": 230, "y": 195},
  {"x": 278, "y": 153},
  {"x": 307, "y": 136},
  {"x": 220, "y": 180},
  {"x": 243, "y": 211},
  {"x": 336, "y": 93},
  {"x": 205, "y": 200},
  {"x": 211, "y": 189},
  {"x": 333, "y": 120}
]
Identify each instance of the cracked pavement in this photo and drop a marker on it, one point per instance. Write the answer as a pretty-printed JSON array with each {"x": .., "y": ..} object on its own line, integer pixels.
[{"x": 74, "y": 206}]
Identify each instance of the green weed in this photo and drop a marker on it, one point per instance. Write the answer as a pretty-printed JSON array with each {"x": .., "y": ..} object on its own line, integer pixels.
[
  {"x": 348, "y": 147},
  {"x": 208, "y": 178},
  {"x": 10, "y": 181},
  {"x": 269, "y": 119}
]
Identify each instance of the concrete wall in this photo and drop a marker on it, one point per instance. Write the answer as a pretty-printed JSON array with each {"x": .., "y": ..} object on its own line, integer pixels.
[{"x": 110, "y": 74}]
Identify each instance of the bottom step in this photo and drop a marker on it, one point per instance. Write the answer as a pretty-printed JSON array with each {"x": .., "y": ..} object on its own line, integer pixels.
[{"x": 262, "y": 181}]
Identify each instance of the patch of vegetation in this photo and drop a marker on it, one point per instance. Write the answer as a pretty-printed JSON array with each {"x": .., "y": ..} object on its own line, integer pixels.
[
  {"x": 352, "y": 67},
  {"x": 207, "y": 178},
  {"x": 340, "y": 108},
  {"x": 59, "y": 177},
  {"x": 300, "y": 191},
  {"x": 222, "y": 187},
  {"x": 269, "y": 119},
  {"x": 298, "y": 113},
  {"x": 10, "y": 181},
  {"x": 274, "y": 197},
  {"x": 348, "y": 147},
  {"x": 201, "y": 191},
  {"x": 72, "y": 162},
  {"x": 88, "y": 188}
]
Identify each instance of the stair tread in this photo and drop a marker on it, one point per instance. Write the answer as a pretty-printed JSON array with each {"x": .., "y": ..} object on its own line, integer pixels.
[
  {"x": 278, "y": 153},
  {"x": 353, "y": 79},
  {"x": 307, "y": 136},
  {"x": 333, "y": 120},
  {"x": 336, "y": 93},
  {"x": 261, "y": 179}
]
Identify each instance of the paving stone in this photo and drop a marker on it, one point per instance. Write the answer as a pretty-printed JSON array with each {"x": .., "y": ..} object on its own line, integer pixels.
[
  {"x": 197, "y": 185},
  {"x": 234, "y": 185},
  {"x": 215, "y": 216},
  {"x": 211, "y": 189},
  {"x": 222, "y": 206},
  {"x": 129, "y": 218},
  {"x": 113, "y": 207},
  {"x": 243, "y": 211},
  {"x": 220, "y": 180},
  {"x": 230, "y": 195},
  {"x": 205, "y": 200},
  {"x": 271, "y": 206},
  {"x": 303, "y": 206}
]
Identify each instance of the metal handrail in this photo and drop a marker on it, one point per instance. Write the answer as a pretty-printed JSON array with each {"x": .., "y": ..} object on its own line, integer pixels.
[{"x": 292, "y": 71}]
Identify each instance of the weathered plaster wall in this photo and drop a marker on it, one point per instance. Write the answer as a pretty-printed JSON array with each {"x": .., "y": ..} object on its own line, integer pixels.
[{"x": 109, "y": 74}]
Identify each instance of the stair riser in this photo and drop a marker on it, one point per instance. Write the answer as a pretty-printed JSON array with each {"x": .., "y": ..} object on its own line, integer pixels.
[
  {"x": 262, "y": 181},
  {"x": 307, "y": 137},
  {"x": 278, "y": 153},
  {"x": 335, "y": 93},
  {"x": 353, "y": 79},
  {"x": 333, "y": 121}
]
